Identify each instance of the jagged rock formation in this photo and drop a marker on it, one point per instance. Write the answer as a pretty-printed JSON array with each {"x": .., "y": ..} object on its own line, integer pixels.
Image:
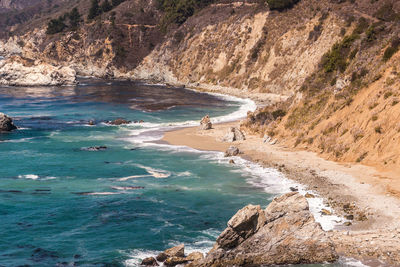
[
  {"x": 205, "y": 123},
  {"x": 6, "y": 123},
  {"x": 284, "y": 233},
  {"x": 234, "y": 134},
  {"x": 18, "y": 71},
  {"x": 232, "y": 151}
]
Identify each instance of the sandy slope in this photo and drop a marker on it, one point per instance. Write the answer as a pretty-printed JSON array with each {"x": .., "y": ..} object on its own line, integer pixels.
[{"x": 342, "y": 185}]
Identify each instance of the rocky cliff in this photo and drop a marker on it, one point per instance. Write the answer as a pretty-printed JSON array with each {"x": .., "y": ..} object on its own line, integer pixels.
[
  {"x": 284, "y": 233},
  {"x": 331, "y": 65}
]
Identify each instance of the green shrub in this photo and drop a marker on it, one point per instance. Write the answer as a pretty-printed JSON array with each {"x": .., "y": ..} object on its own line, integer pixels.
[
  {"x": 336, "y": 58},
  {"x": 281, "y": 4},
  {"x": 389, "y": 52},
  {"x": 56, "y": 25},
  {"x": 178, "y": 11},
  {"x": 94, "y": 10}
]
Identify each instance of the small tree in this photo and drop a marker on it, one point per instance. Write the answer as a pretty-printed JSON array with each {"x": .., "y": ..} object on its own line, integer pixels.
[
  {"x": 74, "y": 19},
  {"x": 56, "y": 25},
  {"x": 106, "y": 6},
  {"x": 281, "y": 4},
  {"x": 94, "y": 10}
]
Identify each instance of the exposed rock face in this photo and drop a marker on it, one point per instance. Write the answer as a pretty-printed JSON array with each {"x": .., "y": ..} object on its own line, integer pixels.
[
  {"x": 177, "y": 251},
  {"x": 205, "y": 123},
  {"x": 284, "y": 233},
  {"x": 232, "y": 151},
  {"x": 6, "y": 123},
  {"x": 18, "y": 71},
  {"x": 234, "y": 134}
]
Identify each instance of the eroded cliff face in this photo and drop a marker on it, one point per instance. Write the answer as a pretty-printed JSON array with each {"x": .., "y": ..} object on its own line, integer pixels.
[
  {"x": 109, "y": 46},
  {"x": 244, "y": 46}
]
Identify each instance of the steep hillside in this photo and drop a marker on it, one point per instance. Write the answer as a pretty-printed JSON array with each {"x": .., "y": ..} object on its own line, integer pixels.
[{"x": 331, "y": 62}]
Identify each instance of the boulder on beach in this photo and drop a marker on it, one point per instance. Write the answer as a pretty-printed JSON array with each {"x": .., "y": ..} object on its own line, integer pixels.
[
  {"x": 6, "y": 123},
  {"x": 234, "y": 134},
  {"x": 205, "y": 123},
  {"x": 232, "y": 151},
  {"x": 119, "y": 121},
  {"x": 282, "y": 234}
]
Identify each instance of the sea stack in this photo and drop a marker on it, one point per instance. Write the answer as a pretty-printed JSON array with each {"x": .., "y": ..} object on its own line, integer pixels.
[
  {"x": 6, "y": 123},
  {"x": 205, "y": 123}
]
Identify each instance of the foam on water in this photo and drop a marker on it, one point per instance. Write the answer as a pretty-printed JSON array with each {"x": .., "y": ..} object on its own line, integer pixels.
[{"x": 271, "y": 180}]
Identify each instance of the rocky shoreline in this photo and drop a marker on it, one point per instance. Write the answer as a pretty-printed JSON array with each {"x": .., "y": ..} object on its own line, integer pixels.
[
  {"x": 371, "y": 231},
  {"x": 20, "y": 71}
]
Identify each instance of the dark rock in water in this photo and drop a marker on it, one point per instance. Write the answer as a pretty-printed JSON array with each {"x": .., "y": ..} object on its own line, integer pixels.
[
  {"x": 282, "y": 234},
  {"x": 141, "y": 121},
  {"x": 150, "y": 261},
  {"x": 232, "y": 151},
  {"x": 40, "y": 254},
  {"x": 162, "y": 257},
  {"x": 293, "y": 189},
  {"x": 119, "y": 121},
  {"x": 94, "y": 148},
  {"x": 231, "y": 161},
  {"x": 6, "y": 123},
  {"x": 77, "y": 256},
  {"x": 92, "y": 122}
]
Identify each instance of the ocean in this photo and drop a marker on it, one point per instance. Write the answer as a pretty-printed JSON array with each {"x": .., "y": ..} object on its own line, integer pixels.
[{"x": 64, "y": 202}]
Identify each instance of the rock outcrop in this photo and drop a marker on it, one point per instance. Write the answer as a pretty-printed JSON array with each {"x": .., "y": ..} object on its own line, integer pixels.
[
  {"x": 234, "y": 134},
  {"x": 232, "y": 151},
  {"x": 205, "y": 123},
  {"x": 18, "y": 71},
  {"x": 6, "y": 123},
  {"x": 284, "y": 233},
  {"x": 174, "y": 256},
  {"x": 119, "y": 121}
]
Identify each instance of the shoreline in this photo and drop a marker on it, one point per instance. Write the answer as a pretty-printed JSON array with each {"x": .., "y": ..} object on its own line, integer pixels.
[{"x": 342, "y": 186}]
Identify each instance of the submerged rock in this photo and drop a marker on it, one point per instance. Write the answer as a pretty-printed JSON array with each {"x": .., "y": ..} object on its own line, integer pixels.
[
  {"x": 284, "y": 233},
  {"x": 94, "y": 148},
  {"x": 232, "y": 151},
  {"x": 19, "y": 71},
  {"x": 119, "y": 121},
  {"x": 234, "y": 134},
  {"x": 205, "y": 123},
  {"x": 6, "y": 123}
]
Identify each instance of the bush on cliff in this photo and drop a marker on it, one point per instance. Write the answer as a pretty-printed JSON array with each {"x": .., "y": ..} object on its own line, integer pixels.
[
  {"x": 178, "y": 11},
  {"x": 281, "y": 4},
  {"x": 56, "y": 25},
  {"x": 59, "y": 24}
]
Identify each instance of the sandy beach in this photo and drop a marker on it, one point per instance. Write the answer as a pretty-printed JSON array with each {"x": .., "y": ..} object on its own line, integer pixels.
[{"x": 349, "y": 189}]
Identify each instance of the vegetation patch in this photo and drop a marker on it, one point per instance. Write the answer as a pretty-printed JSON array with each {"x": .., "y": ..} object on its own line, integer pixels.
[{"x": 281, "y": 4}]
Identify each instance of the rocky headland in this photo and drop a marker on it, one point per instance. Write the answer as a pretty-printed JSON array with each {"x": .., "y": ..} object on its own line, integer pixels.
[{"x": 19, "y": 71}]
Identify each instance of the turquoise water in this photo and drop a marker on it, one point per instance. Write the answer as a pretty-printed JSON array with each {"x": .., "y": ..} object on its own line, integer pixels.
[
  {"x": 64, "y": 205},
  {"x": 46, "y": 220}
]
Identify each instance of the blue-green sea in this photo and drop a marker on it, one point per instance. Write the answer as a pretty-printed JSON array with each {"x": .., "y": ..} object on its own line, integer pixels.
[{"x": 63, "y": 203}]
